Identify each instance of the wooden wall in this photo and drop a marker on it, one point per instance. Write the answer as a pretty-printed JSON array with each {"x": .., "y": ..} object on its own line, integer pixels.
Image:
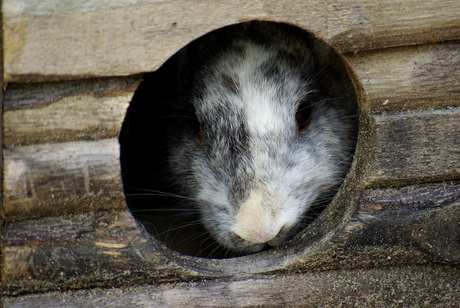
[
  {"x": 100, "y": 37},
  {"x": 70, "y": 71}
]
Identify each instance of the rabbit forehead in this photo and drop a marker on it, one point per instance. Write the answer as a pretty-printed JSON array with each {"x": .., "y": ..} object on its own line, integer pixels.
[{"x": 256, "y": 88}]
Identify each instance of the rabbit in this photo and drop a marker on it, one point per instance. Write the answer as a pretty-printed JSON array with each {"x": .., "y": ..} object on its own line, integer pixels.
[{"x": 263, "y": 128}]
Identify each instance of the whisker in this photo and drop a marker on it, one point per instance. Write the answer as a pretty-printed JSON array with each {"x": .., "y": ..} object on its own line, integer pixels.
[
  {"x": 159, "y": 210},
  {"x": 152, "y": 192}
]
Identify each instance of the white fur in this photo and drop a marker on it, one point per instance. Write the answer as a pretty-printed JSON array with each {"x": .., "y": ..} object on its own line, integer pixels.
[{"x": 282, "y": 173}]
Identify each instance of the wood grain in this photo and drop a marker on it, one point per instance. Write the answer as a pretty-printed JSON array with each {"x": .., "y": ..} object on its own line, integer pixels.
[
  {"x": 66, "y": 224},
  {"x": 415, "y": 147},
  {"x": 423, "y": 215},
  {"x": 397, "y": 79},
  {"x": 91, "y": 249},
  {"x": 66, "y": 111},
  {"x": 44, "y": 179},
  {"x": 107, "y": 249},
  {"x": 408, "y": 78},
  {"x": 51, "y": 179},
  {"x": 49, "y": 40},
  {"x": 384, "y": 287}
]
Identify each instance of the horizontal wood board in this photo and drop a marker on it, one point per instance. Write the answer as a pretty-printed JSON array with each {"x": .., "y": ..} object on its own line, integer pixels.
[
  {"x": 47, "y": 174},
  {"x": 88, "y": 109},
  {"x": 81, "y": 250},
  {"x": 408, "y": 78},
  {"x": 103, "y": 249},
  {"x": 58, "y": 178},
  {"x": 47, "y": 40},
  {"x": 410, "y": 286},
  {"x": 54, "y": 178},
  {"x": 416, "y": 147},
  {"x": 391, "y": 80}
]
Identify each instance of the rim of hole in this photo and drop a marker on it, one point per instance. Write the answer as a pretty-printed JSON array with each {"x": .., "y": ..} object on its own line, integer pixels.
[{"x": 309, "y": 241}]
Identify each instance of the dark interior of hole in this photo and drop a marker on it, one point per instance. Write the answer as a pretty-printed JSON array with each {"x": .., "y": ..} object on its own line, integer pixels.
[{"x": 148, "y": 189}]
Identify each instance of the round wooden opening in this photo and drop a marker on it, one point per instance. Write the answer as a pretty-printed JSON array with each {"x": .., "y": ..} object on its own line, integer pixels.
[{"x": 170, "y": 103}]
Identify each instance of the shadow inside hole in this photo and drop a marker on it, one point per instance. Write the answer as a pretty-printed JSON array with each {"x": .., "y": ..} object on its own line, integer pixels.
[{"x": 151, "y": 193}]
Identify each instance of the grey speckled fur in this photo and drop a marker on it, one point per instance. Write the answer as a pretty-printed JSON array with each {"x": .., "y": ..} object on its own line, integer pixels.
[{"x": 236, "y": 149}]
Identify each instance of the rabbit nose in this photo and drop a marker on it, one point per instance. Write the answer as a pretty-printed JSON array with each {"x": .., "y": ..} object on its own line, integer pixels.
[{"x": 255, "y": 222}]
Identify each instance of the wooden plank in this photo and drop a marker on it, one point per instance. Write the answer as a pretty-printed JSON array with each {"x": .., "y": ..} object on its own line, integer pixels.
[
  {"x": 52, "y": 179},
  {"x": 407, "y": 78},
  {"x": 415, "y": 147},
  {"x": 426, "y": 216},
  {"x": 393, "y": 80},
  {"x": 66, "y": 111},
  {"x": 85, "y": 250},
  {"x": 411, "y": 147},
  {"x": 50, "y": 40},
  {"x": 104, "y": 249},
  {"x": 387, "y": 287}
]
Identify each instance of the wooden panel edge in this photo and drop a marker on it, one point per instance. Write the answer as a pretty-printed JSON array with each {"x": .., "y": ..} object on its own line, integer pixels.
[
  {"x": 66, "y": 111},
  {"x": 415, "y": 147},
  {"x": 146, "y": 35},
  {"x": 62, "y": 178},
  {"x": 408, "y": 78},
  {"x": 390, "y": 286}
]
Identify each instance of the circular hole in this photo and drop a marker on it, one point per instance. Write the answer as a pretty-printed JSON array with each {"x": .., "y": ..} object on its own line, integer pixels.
[{"x": 239, "y": 142}]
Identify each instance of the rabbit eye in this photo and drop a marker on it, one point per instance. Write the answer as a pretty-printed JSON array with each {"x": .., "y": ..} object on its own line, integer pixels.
[{"x": 303, "y": 117}]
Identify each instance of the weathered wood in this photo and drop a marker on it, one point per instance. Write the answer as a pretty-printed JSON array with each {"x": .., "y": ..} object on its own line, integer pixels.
[
  {"x": 50, "y": 40},
  {"x": 406, "y": 78},
  {"x": 424, "y": 215},
  {"x": 88, "y": 247},
  {"x": 103, "y": 249},
  {"x": 415, "y": 147},
  {"x": 52, "y": 179},
  {"x": 392, "y": 80},
  {"x": 411, "y": 286},
  {"x": 49, "y": 179},
  {"x": 92, "y": 249},
  {"x": 66, "y": 111}
]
